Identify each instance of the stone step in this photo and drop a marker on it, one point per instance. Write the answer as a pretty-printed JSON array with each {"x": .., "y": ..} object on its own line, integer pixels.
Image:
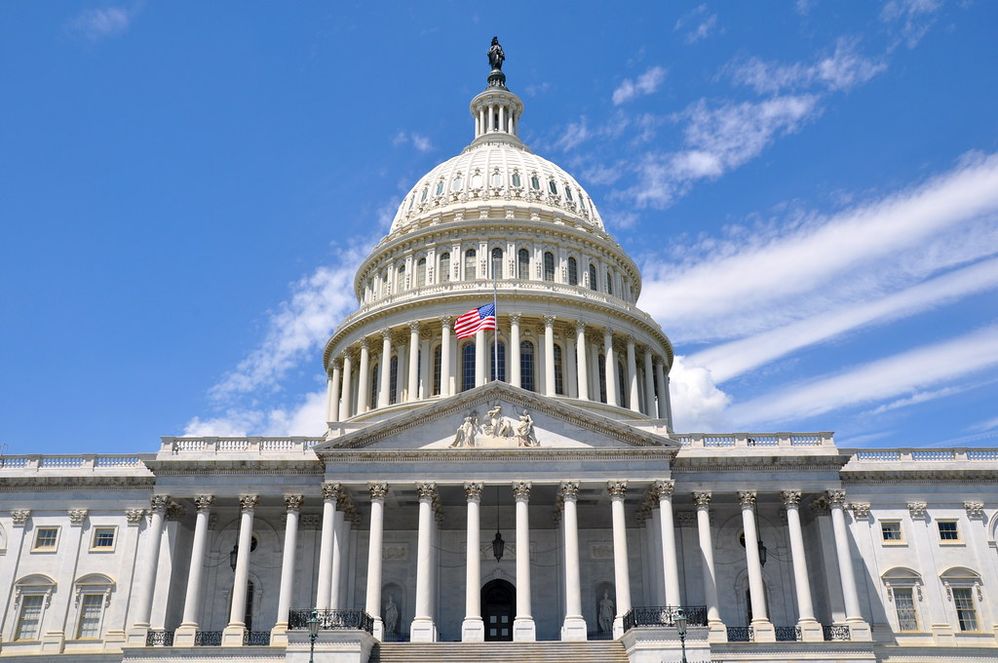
[{"x": 504, "y": 652}]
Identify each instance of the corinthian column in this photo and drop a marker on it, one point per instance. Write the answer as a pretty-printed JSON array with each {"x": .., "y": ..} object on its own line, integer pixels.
[
  {"x": 632, "y": 377},
  {"x": 549, "y": 383},
  {"x": 445, "y": 360},
  {"x": 143, "y": 606},
  {"x": 330, "y": 492},
  {"x": 279, "y": 634},
  {"x": 717, "y": 631},
  {"x": 649, "y": 384},
  {"x": 610, "y": 365},
  {"x": 233, "y": 634},
  {"x": 514, "y": 350},
  {"x": 423, "y": 629},
  {"x": 347, "y": 384},
  {"x": 669, "y": 563},
  {"x": 481, "y": 361},
  {"x": 473, "y": 629},
  {"x": 581, "y": 369},
  {"x": 809, "y": 626},
  {"x": 372, "y": 604},
  {"x": 663, "y": 395},
  {"x": 574, "y": 627},
  {"x": 384, "y": 388},
  {"x": 762, "y": 627},
  {"x": 621, "y": 572},
  {"x": 192, "y": 602},
  {"x": 413, "y": 387},
  {"x": 363, "y": 388},
  {"x": 523, "y": 624},
  {"x": 333, "y": 404},
  {"x": 858, "y": 628}
]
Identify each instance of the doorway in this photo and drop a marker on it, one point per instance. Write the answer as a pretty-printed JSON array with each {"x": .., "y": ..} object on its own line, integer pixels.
[{"x": 498, "y": 610}]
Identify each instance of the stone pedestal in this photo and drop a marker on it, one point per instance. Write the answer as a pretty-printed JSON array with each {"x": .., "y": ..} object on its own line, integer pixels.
[
  {"x": 573, "y": 630},
  {"x": 810, "y": 631},
  {"x": 137, "y": 635},
  {"x": 763, "y": 631},
  {"x": 859, "y": 630},
  {"x": 184, "y": 635},
  {"x": 473, "y": 630},
  {"x": 52, "y": 642},
  {"x": 233, "y": 635},
  {"x": 718, "y": 632},
  {"x": 279, "y": 635},
  {"x": 347, "y": 646},
  {"x": 422, "y": 630},
  {"x": 524, "y": 630}
]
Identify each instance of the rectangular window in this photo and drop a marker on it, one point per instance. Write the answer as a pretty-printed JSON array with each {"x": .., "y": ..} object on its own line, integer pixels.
[
  {"x": 890, "y": 530},
  {"x": 904, "y": 602},
  {"x": 29, "y": 621},
  {"x": 966, "y": 612},
  {"x": 948, "y": 530},
  {"x": 103, "y": 538},
  {"x": 91, "y": 611},
  {"x": 46, "y": 538}
]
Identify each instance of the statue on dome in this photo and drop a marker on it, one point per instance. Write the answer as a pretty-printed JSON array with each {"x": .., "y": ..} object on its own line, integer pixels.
[{"x": 496, "y": 55}]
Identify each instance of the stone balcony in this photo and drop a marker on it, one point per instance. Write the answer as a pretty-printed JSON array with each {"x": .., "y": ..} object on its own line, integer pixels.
[{"x": 89, "y": 469}]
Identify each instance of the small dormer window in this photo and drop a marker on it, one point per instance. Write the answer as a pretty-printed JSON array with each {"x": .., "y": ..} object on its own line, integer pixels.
[
  {"x": 457, "y": 183},
  {"x": 535, "y": 182},
  {"x": 426, "y": 191},
  {"x": 515, "y": 178},
  {"x": 568, "y": 193},
  {"x": 476, "y": 180},
  {"x": 496, "y": 179},
  {"x": 440, "y": 188},
  {"x": 552, "y": 187}
]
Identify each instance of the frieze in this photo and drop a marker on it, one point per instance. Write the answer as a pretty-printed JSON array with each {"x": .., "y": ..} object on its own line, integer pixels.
[{"x": 495, "y": 431}]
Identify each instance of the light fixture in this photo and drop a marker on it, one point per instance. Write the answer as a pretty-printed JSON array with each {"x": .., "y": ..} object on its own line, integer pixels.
[
  {"x": 680, "y": 621},
  {"x": 233, "y": 555},
  {"x": 498, "y": 545},
  {"x": 313, "y": 633}
]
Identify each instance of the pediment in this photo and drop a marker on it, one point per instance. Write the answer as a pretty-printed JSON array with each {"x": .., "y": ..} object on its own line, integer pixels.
[{"x": 498, "y": 416}]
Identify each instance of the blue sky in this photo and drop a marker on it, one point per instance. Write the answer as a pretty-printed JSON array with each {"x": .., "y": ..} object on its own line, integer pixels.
[{"x": 810, "y": 188}]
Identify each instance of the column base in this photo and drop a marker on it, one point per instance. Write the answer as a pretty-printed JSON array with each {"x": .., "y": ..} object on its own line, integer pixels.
[
  {"x": 618, "y": 627},
  {"x": 233, "y": 635},
  {"x": 523, "y": 630},
  {"x": 763, "y": 631},
  {"x": 810, "y": 631},
  {"x": 379, "y": 629},
  {"x": 859, "y": 630},
  {"x": 573, "y": 630},
  {"x": 718, "y": 632},
  {"x": 137, "y": 635},
  {"x": 279, "y": 635},
  {"x": 422, "y": 630},
  {"x": 473, "y": 630},
  {"x": 53, "y": 641},
  {"x": 184, "y": 635},
  {"x": 115, "y": 639}
]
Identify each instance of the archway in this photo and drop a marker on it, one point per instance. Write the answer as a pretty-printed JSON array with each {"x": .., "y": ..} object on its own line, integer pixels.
[{"x": 498, "y": 610}]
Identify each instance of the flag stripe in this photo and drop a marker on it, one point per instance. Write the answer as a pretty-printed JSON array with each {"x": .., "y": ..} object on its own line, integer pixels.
[{"x": 483, "y": 317}]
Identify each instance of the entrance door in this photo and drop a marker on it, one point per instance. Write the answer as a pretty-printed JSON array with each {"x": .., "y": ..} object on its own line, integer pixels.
[{"x": 498, "y": 605}]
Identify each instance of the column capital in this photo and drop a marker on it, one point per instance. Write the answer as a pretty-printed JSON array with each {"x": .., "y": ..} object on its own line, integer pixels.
[
  {"x": 521, "y": 490},
  {"x": 629, "y": 339},
  {"x": 378, "y": 489},
  {"x": 549, "y": 320},
  {"x": 580, "y": 327},
  {"x": 414, "y": 326},
  {"x": 293, "y": 502},
  {"x": 133, "y": 516},
  {"x": 837, "y": 498},
  {"x": 20, "y": 516},
  {"x": 77, "y": 516},
  {"x": 791, "y": 498},
  {"x": 569, "y": 490},
  {"x": 445, "y": 320},
  {"x": 158, "y": 503},
  {"x": 514, "y": 318},
  {"x": 331, "y": 490},
  {"x": 386, "y": 334},
  {"x": 702, "y": 499},
  {"x": 664, "y": 488},
  {"x": 248, "y": 502},
  {"x": 203, "y": 502},
  {"x": 607, "y": 331},
  {"x": 917, "y": 509},
  {"x": 747, "y": 499},
  {"x": 617, "y": 489},
  {"x": 427, "y": 491},
  {"x": 364, "y": 345},
  {"x": 975, "y": 508},
  {"x": 860, "y": 510},
  {"x": 819, "y": 505},
  {"x": 473, "y": 490}
]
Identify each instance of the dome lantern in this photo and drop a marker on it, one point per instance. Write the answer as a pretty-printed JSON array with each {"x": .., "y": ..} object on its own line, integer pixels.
[{"x": 496, "y": 110}]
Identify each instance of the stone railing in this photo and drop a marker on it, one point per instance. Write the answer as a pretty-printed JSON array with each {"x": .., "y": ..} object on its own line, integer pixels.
[
  {"x": 86, "y": 462},
  {"x": 754, "y": 440},
  {"x": 922, "y": 455},
  {"x": 238, "y": 445}
]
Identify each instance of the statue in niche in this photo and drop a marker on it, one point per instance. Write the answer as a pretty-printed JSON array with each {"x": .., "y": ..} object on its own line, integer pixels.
[
  {"x": 391, "y": 616},
  {"x": 496, "y": 55},
  {"x": 465, "y": 436},
  {"x": 525, "y": 435},
  {"x": 607, "y": 611}
]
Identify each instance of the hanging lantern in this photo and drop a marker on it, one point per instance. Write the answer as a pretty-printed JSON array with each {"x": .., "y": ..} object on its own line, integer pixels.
[{"x": 498, "y": 545}]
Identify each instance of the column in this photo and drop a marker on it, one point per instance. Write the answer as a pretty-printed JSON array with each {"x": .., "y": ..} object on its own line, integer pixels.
[
  {"x": 143, "y": 603},
  {"x": 621, "y": 572},
  {"x": 333, "y": 394},
  {"x": 54, "y": 636},
  {"x": 445, "y": 377},
  {"x": 670, "y": 565},
  {"x": 649, "y": 384},
  {"x": 523, "y": 623},
  {"x": 653, "y": 532},
  {"x": 571, "y": 378},
  {"x": 336, "y": 566},
  {"x": 384, "y": 384},
  {"x": 233, "y": 634},
  {"x": 810, "y": 628},
  {"x": 425, "y": 369},
  {"x": 632, "y": 377},
  {"x": 549, "y": 355},
  {"x": 473, "y": 629},
  {"x": 184, "y": 636},
  {"x": 279, "y": 634},
  {"x": 347, "y": 381},
  {"x": 858, "y": 628},
  {"x": 330, "y": 492},
  {"x": 502, "y": 118},
  {"x": 413, "y": 391},
  {"x": 580, "y": 360},
  {"x": 514, "y": 350},
  {"x": 717, "y": 632},
  {"x": 574, "y": 627},
  {"x": 373, "y": 602},
  {"x": 363, "y": 389},
  {"x": 423, "y": 629},
  {"x": 610, "y": 367},
  {"x": 764, "y": 631},
  {"x": 481, "y": 121},
  {"x": 663, "y": 391},
  {"x": 481, "y": 358}
]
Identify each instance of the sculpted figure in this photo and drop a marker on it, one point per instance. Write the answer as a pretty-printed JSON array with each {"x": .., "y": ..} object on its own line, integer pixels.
[
  {"x": 391, "y": 616},
  {"x": 493, "y": 421},
  {"x": 504, "y": 428},
  {"x": 496, "y": 55},
  {"x": 607, "y": 611},
  {"x": 525, "y": 431},
  {"x": 465, "y": 436}
]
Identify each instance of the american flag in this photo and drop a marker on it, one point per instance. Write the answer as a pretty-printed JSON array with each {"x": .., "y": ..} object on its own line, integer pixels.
[{"x": 483, "y": 317}]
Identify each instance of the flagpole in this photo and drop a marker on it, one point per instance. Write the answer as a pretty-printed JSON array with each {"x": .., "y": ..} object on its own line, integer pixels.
[{"x": 495, "y": 310}]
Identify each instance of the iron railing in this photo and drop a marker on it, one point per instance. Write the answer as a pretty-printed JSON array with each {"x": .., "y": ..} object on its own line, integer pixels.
[
  {"x": 256, "y": 638},
  {"x": 331, "y": 620},
  {"x": 159, "y": 639},
  {"x": 836, "y": 633},
  {"x": 740, "y": 634},
  {"x": 665, "y": 615},
  {"x": 788, "y": 633},
  {"x": 207, "y": 638}
]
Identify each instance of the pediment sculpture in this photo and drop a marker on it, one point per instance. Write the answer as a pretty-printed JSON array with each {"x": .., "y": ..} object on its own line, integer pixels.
[{"x": 495, "y": 431}]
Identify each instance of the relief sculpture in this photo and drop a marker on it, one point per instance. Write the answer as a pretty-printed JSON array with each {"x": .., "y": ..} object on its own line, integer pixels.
[{"x": 495, "y": 431}]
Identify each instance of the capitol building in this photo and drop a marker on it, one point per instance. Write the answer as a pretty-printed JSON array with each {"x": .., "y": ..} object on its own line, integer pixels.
[{"x": 516, "y": 494}]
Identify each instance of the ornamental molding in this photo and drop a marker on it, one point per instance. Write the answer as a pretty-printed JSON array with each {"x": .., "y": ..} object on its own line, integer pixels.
[
  {"x": 701, "y": 499},
  {"x": 427, "y": 491},
  {"x": 664, "y": 488},
  {"x": 917, "y": 509},
  {"x": 77, "y": 516},
  {"x": 20, "y": 517},
  {"x": 159, "y": 503},
  {"x": 473, "y": 490},
  {"x": 311, "y": 521},
  {"x": 134, "y": 516},
  {"x": 293, "y": 502},
  {"x": 974, "y": 508},
  {"x": 617, "y": 489},
  {"x": 247, "y": 503},
  {"x": 746, "y": 499},
  {"x": 377, "y": 489},
  {"x": 860, "y": 510},
  {"x": 569, "y": 491},
  {"x": 204, "y": 502},
  {"x": 331, "y": 490},
  {"x": 836, "y": 498},
  {"x": 790, "y": 498},
  {"x": 521, "y": 490}
]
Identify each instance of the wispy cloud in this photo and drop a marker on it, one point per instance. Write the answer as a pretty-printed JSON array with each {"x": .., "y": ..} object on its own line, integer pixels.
[
  {"x": 103, "y": 22},
  {"x": 841, "y": 70},
  {"x": 910, "y": 19},
  {"x": 420, "y": 142},
  {"x": 307, "y": 416},
  {"x": 645, "y": 84},
  {"x": 574, "y": 135},
  {"x": 698, "y": 24}
]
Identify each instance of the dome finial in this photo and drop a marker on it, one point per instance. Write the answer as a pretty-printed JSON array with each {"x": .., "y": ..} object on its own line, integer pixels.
[{"x": 496, "y": 57}]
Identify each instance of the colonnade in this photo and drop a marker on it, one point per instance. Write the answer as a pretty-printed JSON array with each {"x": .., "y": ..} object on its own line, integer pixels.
[{"x": 425, "y": 360}]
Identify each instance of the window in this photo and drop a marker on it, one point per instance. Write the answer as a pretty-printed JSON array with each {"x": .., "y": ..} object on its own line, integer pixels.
[
  {"x": 30, "y": 618},
  {"x": 468, "y": 367},
  {"x": 592, "y": 277},
  {"x": 559, "y": 379},
  {"x": 393, "y": 380},
  {"x": 948, "y": 530},
  {"x": 548, "y": 266},
  {"x": 400, "y": 279},
  {"x": 469, "y": 265},
  {"x": 904, "y": 603},
  {"x": 502, "y": 361},
  {"x": 573, "y": 272},
  {"x": 457, "y": 183},
  {"x": 444, "y": 273},
  {"x": 373, "y": 402},
  {"x": 552, "y": 187},
  {"x": 496, "y": 181},
  {"x": 515, "y": 179},
  {"x": 422, "y": 197},
  {"x": 890, "y": 531},
  {"x": 523, "y": 264},
  {"x": 497, "y": 263},
  {"x": 609, "y": 282},
  {"x": 966, "y": 611},
  {"x": 476, "y": 180},
  {"x": 420, "y": 273},
  {"x": 440, "y": 188},
  {"x": 437, "y": 354},
  {"x": 46, "y": 538},
  {"x": 91, "y": 611},
  {"x": 535, "y": 182},
  {"x": 527, "y": 366},
  {"x": 622, "y": 395},
  {"x": 568, "y": 194},
  {"x": 103, "y": 538},
  {"x": 601, "y": 365}
]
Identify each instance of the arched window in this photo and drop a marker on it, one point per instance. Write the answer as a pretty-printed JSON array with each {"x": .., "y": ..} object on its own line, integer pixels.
[
  {"x": 515, "y": 179},
  {"x": 468, "y": 367},
  {"x": 904, "y": 587},
  {"x": 568, "y": 193},
  {"x": 601, "y": 365},
  {"x": 93, "y": 593},
  {"x": 373, "y": 396},
  {"x": 535, "y": 182},
  {"x": 385, "y": 284},
  {"x": 440, "y": 188},
  {"x": 552, "y": 187},
  {"x": 443, "y": 274},
  {"x": 963, "y": 588},
  {"x": 469, "y": 265},
  {"x": 437, "y": 354},
  {"x": 527, "y": 366},
  {"x": 496, "y": 179},
  {"x": 420, "y": 273},
  {"x": 523, "y": 264},
  {"x": 622, "y": 386},
  {"x": 559, "y": 380},
  {"x": 548, "y": 266},
  {"x": 573, "y": 272},
  {"x": 476, "y": 180},
  {"x": 502, "y": 361},
  {"x": 457, "y": 183},
  {"x": 609, "y": 282},
  {"x": 592, "y": 277},
  {"x": 393, "y": 380},
  {"x": 426, "y": 191},
  {"x": 400, "y": 279},
  {"x": 33, "y": 594},
  {"x": 497, "y": 263}
]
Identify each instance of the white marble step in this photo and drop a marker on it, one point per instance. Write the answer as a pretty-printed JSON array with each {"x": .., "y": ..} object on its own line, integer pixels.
[{"x": 505, "y": 652}]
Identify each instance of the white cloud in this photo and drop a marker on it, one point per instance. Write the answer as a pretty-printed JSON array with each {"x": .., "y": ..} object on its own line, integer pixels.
[
  {"x": 574, "y": 135},
  {"x": 701, "y": 22},
  {"x": 912, "y": 19},
  {"x": 103, "y": 22},
  {"x": 420, "y": 142},
  {"x": 906, "y": 373},
  {"x": 986, "y": 425},
  {"x": 307, "y": 417},
  {"x": 645, "y": 84},
  {"x": 697, "y": 403},
  {"x": 843, "y": 69}
]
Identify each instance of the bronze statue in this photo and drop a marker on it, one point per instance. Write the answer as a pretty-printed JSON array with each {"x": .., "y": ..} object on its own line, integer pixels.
[{"x": 496, "y": 55}]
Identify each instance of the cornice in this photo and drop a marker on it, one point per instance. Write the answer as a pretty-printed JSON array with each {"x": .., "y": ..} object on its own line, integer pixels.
[
  {"x": 771, "y": 461},
  {"x": 12, "y": 484},
  {"x": 533, "y": 454}
]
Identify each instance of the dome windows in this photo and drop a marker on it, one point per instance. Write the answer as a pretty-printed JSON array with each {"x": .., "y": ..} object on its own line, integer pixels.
[
  {"x": 523, "y": 264},
  {"x": 444, "y": 267},
  {"x": 568, "y": 193},
  {"x": 548, "y": 266},
  {"x": 440, "y": 188},
  {"x": 515, "y": 179},
  {"x": 535, "y": 182},
  {"x": 496, "y": 181},
  {"x": 457, "y": 183},
  {"x": 469, "y": 265},
  {"x": 553, "y": 187},
  {"x": 592, "y": 277},
  {"x": 426, "y": 192},
  {"x": 420, "y": 273},
  {"x": 496, "y": 263},
  {"x": 476, "y": 179},
  {"x": 573, "y": 272}
]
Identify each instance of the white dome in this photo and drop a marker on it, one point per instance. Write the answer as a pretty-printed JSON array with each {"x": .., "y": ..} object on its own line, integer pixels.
[{"x": 499, "y": 170}]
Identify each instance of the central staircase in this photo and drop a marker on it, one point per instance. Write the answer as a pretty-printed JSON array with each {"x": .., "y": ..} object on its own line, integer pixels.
[{"x": 500, "y": 652}]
